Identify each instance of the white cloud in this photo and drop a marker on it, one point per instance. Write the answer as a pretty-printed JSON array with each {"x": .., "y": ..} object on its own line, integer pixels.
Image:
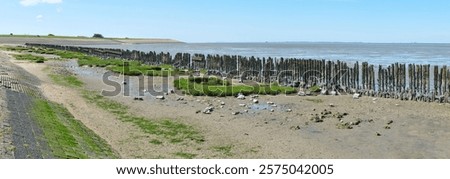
[
  {"x": 35, "y": 2},
  {"x": 39, "y": 18}
]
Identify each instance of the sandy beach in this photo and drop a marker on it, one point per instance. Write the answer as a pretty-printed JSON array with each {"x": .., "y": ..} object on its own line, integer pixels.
[{"x": 278, "y": 127}]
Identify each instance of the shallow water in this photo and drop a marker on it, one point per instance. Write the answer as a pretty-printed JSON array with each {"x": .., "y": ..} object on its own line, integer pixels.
[{"x": 375, "y": 53}]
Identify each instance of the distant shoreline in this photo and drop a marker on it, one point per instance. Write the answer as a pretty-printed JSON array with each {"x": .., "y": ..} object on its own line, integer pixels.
[{"x": 20, "y": 40}]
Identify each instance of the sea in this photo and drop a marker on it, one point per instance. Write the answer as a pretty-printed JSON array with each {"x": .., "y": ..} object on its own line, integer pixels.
[{"x": 374, "y": 53}]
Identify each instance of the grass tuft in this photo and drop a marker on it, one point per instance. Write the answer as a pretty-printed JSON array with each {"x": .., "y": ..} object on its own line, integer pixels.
[
  {"x": 70, "y": 81},
  {"x": 217, "y": 87},
  {"x": 156, "y": 142},
  {"x": 315, "y": 89},
  {"x": 185, "y": 155},
  {"x": 225, "y": 150},
  {"x": 29, "y": 57}
]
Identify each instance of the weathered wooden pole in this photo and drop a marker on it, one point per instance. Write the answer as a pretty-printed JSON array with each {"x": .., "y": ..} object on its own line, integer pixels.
[
  {"x": 436, "y": 79},
  {"x": 427, "y": 78},
  {"x": 444, "y": 79}
]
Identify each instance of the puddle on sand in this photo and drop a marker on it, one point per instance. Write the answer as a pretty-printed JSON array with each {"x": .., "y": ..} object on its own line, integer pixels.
[
  {"x": 267, "y": 107},
  {"x": 261, "y": 107}
]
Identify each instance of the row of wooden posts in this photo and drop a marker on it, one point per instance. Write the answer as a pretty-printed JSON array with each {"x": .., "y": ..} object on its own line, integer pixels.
[{"x": 402, "y": 81}]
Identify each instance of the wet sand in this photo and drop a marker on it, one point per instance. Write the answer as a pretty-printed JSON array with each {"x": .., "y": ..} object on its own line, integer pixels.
[
  {"x": 388, "y": 128},
  {"x": 382, "y": 128}
]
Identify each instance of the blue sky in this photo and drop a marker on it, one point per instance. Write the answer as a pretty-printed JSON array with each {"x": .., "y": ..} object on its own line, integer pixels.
[{"x": 234, "y": 20}]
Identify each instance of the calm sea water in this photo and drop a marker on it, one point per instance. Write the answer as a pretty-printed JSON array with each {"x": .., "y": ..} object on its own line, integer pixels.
[{"x": 374, "y": 53}]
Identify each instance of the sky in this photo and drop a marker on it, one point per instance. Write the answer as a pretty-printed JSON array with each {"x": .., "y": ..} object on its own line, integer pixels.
[{"x": 402, "y": 21}]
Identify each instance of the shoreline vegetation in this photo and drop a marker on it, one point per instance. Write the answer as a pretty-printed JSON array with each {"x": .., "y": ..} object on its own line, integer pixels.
[
  {"x": 212, "y": 86},
  {"x": 196, "y": 86}
]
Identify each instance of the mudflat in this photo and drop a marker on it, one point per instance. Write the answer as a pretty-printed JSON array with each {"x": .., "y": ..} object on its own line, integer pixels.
[{"x": 287, "y": 127}]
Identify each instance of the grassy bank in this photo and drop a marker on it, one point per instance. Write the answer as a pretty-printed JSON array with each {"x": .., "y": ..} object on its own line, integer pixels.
[
  {"x": 165, "y": 129},
  {"x": 44, "y": 36},
  {"x": 199, "y": 86},
  {"x": 66, "y": 136}
]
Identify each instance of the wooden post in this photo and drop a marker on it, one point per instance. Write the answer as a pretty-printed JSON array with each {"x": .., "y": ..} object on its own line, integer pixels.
[
  {"x": 347, "y": 75},
  {"x": 363, "y": 75},
  {"x": 372, "y": 77},
  {"x": 385, "y": 80},
  {"x": 367, "y": 69},
  {"x": 421, "y": 79},
  {"x": 396, "y": 78},
  {"x": 390, "y": 78},
  {"x": 410, "y": 77},
  {"x": 447, "y": 93},
  {"x": 436, "y": 79},
  {"x": 427, "y": 79},
  {"x": 380, "y": 78},
  {"x": 444, "y": 79},
  {"x": 323, "y": 71},
  {"x": 404, "y": 77}
]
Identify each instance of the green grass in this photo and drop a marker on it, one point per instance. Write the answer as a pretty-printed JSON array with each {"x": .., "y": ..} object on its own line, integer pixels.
[
  {"x": 66, "y": 136},
  {"x": 218, "y": 87},
  {"x": 315, "y": 89},
  {"x": 64, "y": 80},
  {"x": 225, "y": 150},
  {"x": 170, "y": 130},
  {"x": 185, "y": 155},
  {"x": 29, "y": 57},
  {"x": 156, "y": 142},
  {"x": 166, "y": 67}
]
